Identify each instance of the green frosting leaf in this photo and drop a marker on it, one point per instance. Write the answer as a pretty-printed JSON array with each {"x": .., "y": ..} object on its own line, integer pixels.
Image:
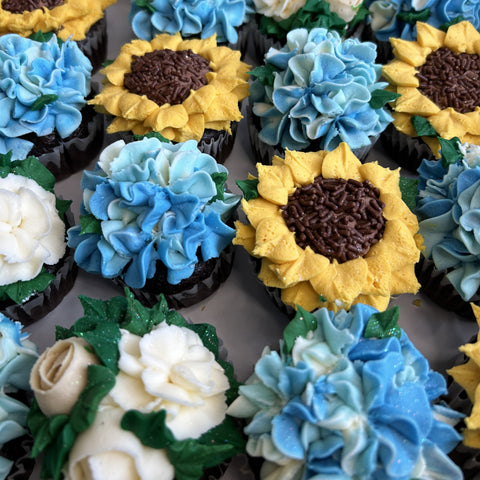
[
  {"x": 43, "y": 100},
  {"x": 21, "y": 291},
  {"x": 450, "y": 150},
  {"x": 453, "y": 21},
  {"x": 152, "y": 134},
  {"x": 422, "y": 126},
  {"x": 5, "y": 160},
  {"x": 219, "y": 178},
  {"x": 302, "y": 323},
  {"x": 105, "y": 64},
  {"x": 381, "y": 97},
  {"x": 145, "y": 4},
  {"x": 409, "y": 189},
  {"x": 248, "y": 188},
  {"x": 90, "y": 224},
  {"x": 62, "y": 206},
  {"x": 413, "y": 16},
  {"x": 149, "y": 428},
  {"x": 30, "y": 167},
  {"x": 264, "y": 74},
  {"x": 383, "y": 324},
  {"x": 41, "y": 37}
]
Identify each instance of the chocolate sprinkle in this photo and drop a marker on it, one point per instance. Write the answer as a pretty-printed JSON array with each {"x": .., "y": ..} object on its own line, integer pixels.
[
  {"x": 339, "y": 219},
  {"x": 20, "y": 6},
  {"x": 167, "y": 76},
  {"x": 451, "y": 79}
]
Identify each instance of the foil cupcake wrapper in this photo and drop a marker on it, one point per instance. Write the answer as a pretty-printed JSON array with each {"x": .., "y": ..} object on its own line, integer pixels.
[
  {"x": 435, "y": 284},
  {"x": 407, "y": 151},
  {"x": 94, "y": 45}
]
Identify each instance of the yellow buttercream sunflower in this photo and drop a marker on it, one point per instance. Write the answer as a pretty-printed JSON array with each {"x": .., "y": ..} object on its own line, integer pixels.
[
  {"x": 72, "y": 18},
  {"x": 212, "y": 106},
  {"x": 310, "y": 279},
  {"x": 402, "y": 76},
  {"x": 468, "y": 377}
]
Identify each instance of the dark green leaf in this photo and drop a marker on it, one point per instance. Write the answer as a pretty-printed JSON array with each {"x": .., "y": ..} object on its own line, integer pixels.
[
  {"x": 409, "y": 188},
  {"x": 413, "y": 16},
  {"x": 322, "y": 298},
  {"x": 145, "y": 4},
  {"x": 5, "y": 163},
  {"x": 264, "y": 74},
  {"x": 30, "y": 167},
  {"x": 453, "y": 21},
  {"x": 450, "y": 150},
  {"x": 383, "y": 324},
  {"x": 302, "y": 323},
  {"x": 422, "y": 126},
  {"x": 40, "y": 36},
  {"x": 62, "y": 206},
  {"x": 90, "y": 224},
  {"x": 19, "y": 291},
  {"x": 149, "y": 428},
  {"x": 56, "y": 453},
  {"x": 381, "y": 97},
  {"x": 106, "y": 63},
  {"x": 43, "y": 100},
  {"x": 248, "y": 188},
  {"x": 207, "y": 334},
  {"x": 152, "y": 134},
  {"x": 219, "y": 178}
]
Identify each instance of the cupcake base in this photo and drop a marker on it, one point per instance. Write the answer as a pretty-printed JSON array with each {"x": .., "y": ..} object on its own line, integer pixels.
[
  {"x": 438, "y": 288},
  {"x": 18, "y": 451},
  {"x": 94, "y": 45}
]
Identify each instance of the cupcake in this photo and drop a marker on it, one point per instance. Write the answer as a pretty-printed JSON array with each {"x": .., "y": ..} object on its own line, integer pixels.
[
  {"x": 155, "y": 216},
  {"x": 347, "y": 396},
  {"x": 36, "y": 267},
  {"x": 182, "y": 89},
  {"x": 276, "y": 18},
  {"x": 435, "y": 77},
  {"x": 227, "y": 19},
  {"x": 133, "y": 393},
  {"x": 43, "y": 92},
  {"x": 330, "y": 232},
  {"x": 79, "y": 20},
  {"x": 17, "y": 356},
  {"x": 315, "y": 93},
  {"x": 447, "y": 209}
]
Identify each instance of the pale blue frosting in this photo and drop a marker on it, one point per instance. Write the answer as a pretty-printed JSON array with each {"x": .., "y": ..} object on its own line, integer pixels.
[
  {"x": 386, "y": 22},
  {"x": 342, "y": 406},
  {"x": 17, "y": 356},
  {"x": 153, "y": 201},
  {"x": 448, "y": 207},
  {"x": 189, "y": 17},
  {"x": 321, "y": 90},
  {"x": 30, "y": 70}
]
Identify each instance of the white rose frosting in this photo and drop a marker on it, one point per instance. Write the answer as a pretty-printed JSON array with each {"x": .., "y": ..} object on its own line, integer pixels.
[
  {"x": 107, "y": 452},
  {"x": 60, "y": 374},
  {"x": 31, "y": 232},
  {"x": 170, "y": 369},
  {"x": 345, "y": 9},
  {"x": 278, "y": 9}
]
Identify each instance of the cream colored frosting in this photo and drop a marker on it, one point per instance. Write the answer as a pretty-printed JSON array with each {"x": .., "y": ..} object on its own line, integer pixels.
[
  {"x": 60, "y": 374},
  {"x": 107, "y": 452},
  {"x": 31, "y": 232},
  {"x": 278, "y": 9},
  {"x": 186, "y": 381},
  {"x": 345, "y": 9}
]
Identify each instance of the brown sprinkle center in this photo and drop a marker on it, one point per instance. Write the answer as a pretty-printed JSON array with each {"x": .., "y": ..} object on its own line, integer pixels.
[
  {"x": 20, "y": 6},
  {"x": 167, "y": 76},
  {"x": 339, "y": 219},
  {"x": 451, "y": 79}
]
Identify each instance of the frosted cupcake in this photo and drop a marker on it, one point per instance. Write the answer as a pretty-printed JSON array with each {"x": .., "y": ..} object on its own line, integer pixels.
[
  {"x": 36, "y": 267},
  {"x": 347, "y": 396},
  {"x": 18, "y": 354},
  {"x": 328, "y": 231},
  {"x": 315, "y": 93},
  {"x": 133, "y": 393},
  {"x": 227, "y": 19},
  {"x": 155, "y": 216},
  {"x": 447, "y": 209},
  {"x": 182, "y": 89},
  {"x": 435, "y": 78},
  {"x": 44, "y": 87},
  {"x": 79, "y": 20}
]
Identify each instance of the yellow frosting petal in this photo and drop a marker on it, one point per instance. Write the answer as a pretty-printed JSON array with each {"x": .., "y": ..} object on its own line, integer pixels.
[
  {"x": 404, "y": 280},
  {"x": 378, "y": 277},
  {"x": 245, "y": 236},
  {"x": 301, "y": 294},
  {"x": 275, "y": 241},
  {"x": 258, "y": 209},
  {"x": 409, "y": 52},
  {"x": 341, "y": 163},
  {"x": 305, "y": 166},
  {"x": 413, "y": 102},
  {"x": 400, "y": 73},
  {"x": 428, "y": 36},
  {"x": 395, "y": 209},
  {"x": 384, "y": 179},
  {"x": 461, "y": 37},
  {"x": 275, "y": 183}
]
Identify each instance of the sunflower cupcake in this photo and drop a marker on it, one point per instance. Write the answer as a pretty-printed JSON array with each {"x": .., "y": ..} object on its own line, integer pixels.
[
  {"x": 314, "y": 248},
  {"x": 80, "y": 20},
  {"x": 182, "y": 89},
  {"x": 436, "y": 77}
]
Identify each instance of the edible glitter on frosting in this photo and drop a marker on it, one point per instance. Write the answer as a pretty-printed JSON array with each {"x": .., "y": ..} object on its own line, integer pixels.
[
  {"x": 43, "y": 87},
  {"x": 336, "y": 403},
  {"x": 323, "y": 98},
  {"x": 152, "y": 201}
]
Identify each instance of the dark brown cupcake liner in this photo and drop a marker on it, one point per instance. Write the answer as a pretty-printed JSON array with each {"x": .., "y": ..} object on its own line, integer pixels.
[
  {"x": 18, "y": 450},
  {"x": 39, "y": 305},
  {"x": 407, "y": 151},
  {"x": 94, "y": 45},
  {"x": 435, "y": 284},
  {"x": 205, "y": 280},
  {"x": 384, "y": 49}
]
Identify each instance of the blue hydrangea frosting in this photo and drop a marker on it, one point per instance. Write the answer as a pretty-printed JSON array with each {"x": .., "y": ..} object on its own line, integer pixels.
[
  {"x": 202, "y": 18},
  {"x": 43, "y": 86},
  {"x": 340, "y": 405},
  {"x": 17, "y": 356},
  {"x": 397, "y": 18},
  {"x": 151, "y": 201},
  {"x": 322, "y": 87},
  {"x": 448, "y": 207}
]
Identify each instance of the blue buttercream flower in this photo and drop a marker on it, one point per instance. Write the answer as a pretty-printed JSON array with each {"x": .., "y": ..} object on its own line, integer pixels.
[
  {"x": 151, "y": 201},
  {"x": 340, "y": 402},
  {"x": 448, "y": 207},
  {"x": 203, "y": 18},
  {"x": 321, "y": 91},
  {"x": 43, "y": 86},
  {"x": 397, "y": 18}
]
